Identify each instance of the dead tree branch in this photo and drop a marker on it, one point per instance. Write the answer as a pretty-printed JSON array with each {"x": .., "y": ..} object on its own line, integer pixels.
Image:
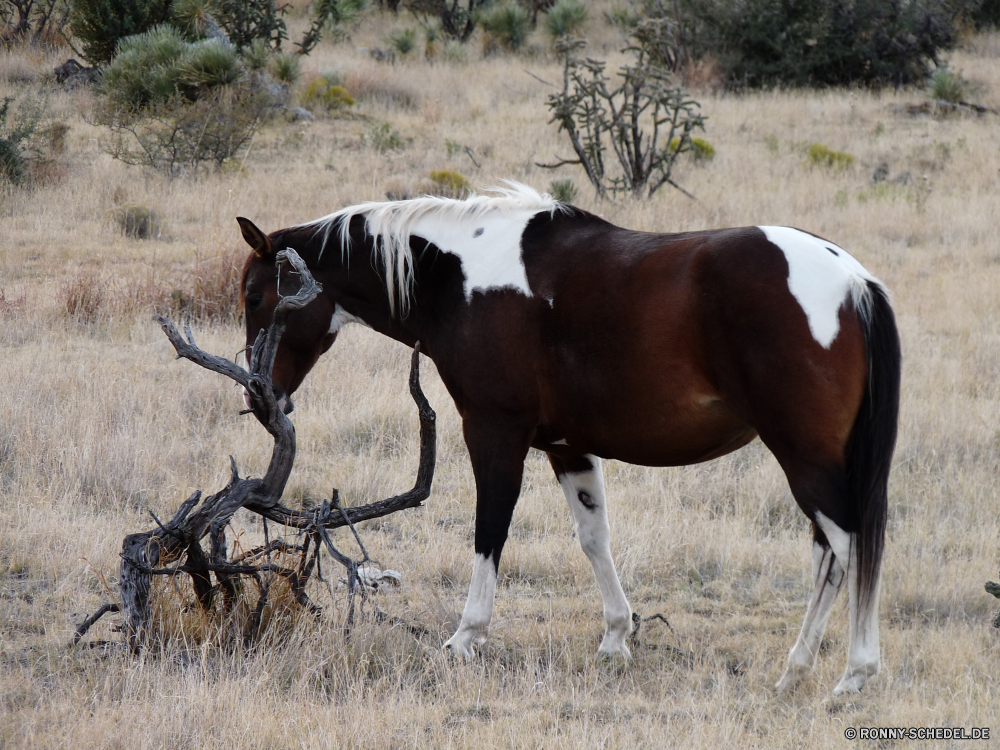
[{"x": 175, "y": 547}]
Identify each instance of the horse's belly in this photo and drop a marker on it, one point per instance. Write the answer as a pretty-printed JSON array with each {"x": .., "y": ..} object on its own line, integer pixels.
[{"x": 665, "y": 434}]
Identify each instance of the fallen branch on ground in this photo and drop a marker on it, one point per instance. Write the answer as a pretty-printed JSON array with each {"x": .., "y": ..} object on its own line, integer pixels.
[{"x": 175, "y": 547}]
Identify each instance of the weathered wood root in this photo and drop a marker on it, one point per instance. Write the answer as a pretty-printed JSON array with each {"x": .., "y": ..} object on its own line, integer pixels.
[{"x": 175, "y": 546}]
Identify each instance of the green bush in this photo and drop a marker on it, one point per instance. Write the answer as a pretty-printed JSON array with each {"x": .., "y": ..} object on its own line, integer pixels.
[
  {"x": 450, "y": 183},
  {"x": 246, "y": 21},
  {"x": 158, "y": 65},
  {"x": 947, "y": 86},
  {"x": 195, "y": 19},
  {"x": 98, "y": 25},
  {"x": 21, "y": 130},
  {"x": 319, "y": 93},
  {"x": 287, "y": 67},
  {"x": 820, "y": 42},
  {"x": 508, "y": 25},
  {"x": 823, "y": 155},
  {"x": 566, "y": 17},
  {"x": 403, "y": 41},
  {"x": 700, "y": 149},
  {"x": 563, "y": 190}
]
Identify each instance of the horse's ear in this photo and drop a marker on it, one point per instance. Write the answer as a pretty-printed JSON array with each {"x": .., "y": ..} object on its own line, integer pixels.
[{"x": 259, "y": 242}]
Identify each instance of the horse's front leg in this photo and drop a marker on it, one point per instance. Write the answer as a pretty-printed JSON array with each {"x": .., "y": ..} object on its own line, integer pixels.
[
  {"x": 582, "y": 481},
  {"x": 497, "y": 451}
]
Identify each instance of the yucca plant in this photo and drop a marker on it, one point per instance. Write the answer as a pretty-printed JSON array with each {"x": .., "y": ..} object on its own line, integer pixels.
[
  {"x": 257, "y": 55},
  {"x": 287, "y": 68},
  {"x": 947, "y": 86},
  {"x": 209, "y": 63},
  {"x": 509, "y": 25},
  {"x": 403, "y": 41},
  {"x": 565, "y": 18}
]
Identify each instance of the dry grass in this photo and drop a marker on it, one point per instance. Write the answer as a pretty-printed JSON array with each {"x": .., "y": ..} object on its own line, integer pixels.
[{"x": 100, "y": 425}]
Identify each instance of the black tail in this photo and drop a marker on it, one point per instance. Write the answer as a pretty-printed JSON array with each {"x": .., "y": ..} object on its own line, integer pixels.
[{"x": 874, "y": 438}]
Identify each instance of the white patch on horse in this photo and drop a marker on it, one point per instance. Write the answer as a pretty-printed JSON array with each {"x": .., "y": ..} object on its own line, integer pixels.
[
  {"x": 863, "y": 652},
  {"x": 489, "y": 246},
  {"x": 821, "y": 275},
  {"x": 560, "y": 442},
  {"x": 584, "y": 491},
  {"x": 478, "y": 613},
  {"x": 828, "y": 579},
  {"x": 392, "y": 224},
  {"x": 341, "y": 318}
]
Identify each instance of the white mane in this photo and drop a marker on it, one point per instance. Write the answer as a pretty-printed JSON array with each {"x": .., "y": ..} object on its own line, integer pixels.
[{"x": 391, "y": 223}]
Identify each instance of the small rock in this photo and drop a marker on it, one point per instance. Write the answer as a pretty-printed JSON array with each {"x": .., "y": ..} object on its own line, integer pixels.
[
  {"x": 881, "y": 173},
  {"x": 72, "y": 74},
  {"x": 299, "y": 113},
  {"x": 903, "y": 178}
]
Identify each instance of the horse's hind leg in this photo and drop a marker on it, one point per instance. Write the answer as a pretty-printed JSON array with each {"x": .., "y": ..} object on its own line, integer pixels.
[
  {"x": 863, "y": 659},
  {"x": 582, "y": 482},
  {"x": 828, "y": 579}
]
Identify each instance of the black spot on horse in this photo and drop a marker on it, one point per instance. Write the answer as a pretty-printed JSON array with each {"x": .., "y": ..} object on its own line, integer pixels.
[
  {"x": 835, "y": 253},
  {"x": 478, "y": 232},
  {"x": 586, "y": 500}
]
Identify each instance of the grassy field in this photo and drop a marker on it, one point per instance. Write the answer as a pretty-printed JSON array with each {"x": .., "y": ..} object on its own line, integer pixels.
[{"x": 99, "y": 425}]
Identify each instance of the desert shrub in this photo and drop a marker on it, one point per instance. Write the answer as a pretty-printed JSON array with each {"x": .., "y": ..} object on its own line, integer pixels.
[
  {"x": 37, "y": 21},
  {"x": 256, "y": 56},
  {"x": 507, "y": 26},
  {"x": 320, "y": 93},
  {"x": 383, "y": 137},
  {"x": 402, "y": 41},
  {"x": 329, "y": 17},
  {"x": 456, "y": 18},
  {"x": 159, "y": 64},
  {"x": 135, "y": 221},
  {"x": 701, "y": 150},
  {"x": 246, "y": 21},
  {"x": 947, "y": 86},
  {"x": 194, "y": 18},
  {"x": 450, "y": 183},
  {"x": 178, "y": 135},
  {"x": 565, "y": 18},
  {"x": 821, "y": 155},
  {"x": 563, "y": 190},
  {"x": 819, "y": 42},
  {"x": 100, "y": 24},
  {"x": 641, "y": 113},
  {"x": 286, "y": 68},
  {"x": 22, "y": 134}
]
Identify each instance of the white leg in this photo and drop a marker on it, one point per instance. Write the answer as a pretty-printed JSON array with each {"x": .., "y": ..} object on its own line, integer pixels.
[
  {"x": 863, "y": 653},
  {"x": 478, "y": 613},
  {"x": 828, "y": 579},
  {"x": 584, "y": 492}
]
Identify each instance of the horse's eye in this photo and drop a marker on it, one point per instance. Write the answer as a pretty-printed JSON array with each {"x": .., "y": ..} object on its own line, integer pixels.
[{"x": 254, "y": 302}]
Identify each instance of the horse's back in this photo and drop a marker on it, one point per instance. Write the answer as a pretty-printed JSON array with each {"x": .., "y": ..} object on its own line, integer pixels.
[{"x": 675, "y": 348}]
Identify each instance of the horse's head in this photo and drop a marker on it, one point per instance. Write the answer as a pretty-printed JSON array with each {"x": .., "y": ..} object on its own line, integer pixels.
[{"x": 308, "y": 334}]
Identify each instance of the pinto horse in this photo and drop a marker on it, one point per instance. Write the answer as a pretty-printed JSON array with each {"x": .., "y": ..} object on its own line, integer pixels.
[{"x": 556, "y": 330}]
